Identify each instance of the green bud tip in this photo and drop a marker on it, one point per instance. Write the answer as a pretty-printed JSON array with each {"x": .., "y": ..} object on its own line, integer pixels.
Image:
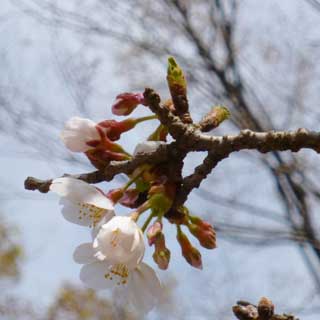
[
  {"x": 175, "y": 74},
  {"x": 222, "y": 112}
]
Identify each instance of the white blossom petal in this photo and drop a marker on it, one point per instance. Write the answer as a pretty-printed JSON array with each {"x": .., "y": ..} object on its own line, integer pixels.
[
  {"x": 144, "y": 288},
  {"x": 136, "y": 240},
  {"x": 147, "y": 146},
  {"x": 149, "y": 278},
  {"x": 78, "y": 191},
  {"x": 77, "y": 132},
  {"x": 94, "y": 275},
  {"x": 108, "y": 216},
  {"x": 84, "y": 253},
  {"x": 71, "y": 212},
  {"x": 120, "y": 241},
  {"x": 138, "y": 249}
]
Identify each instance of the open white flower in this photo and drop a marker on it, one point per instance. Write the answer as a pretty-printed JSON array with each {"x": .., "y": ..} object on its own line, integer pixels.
[
  {"x": 83, "y": 204},
  {"x": 77, "y": 132},
  {"x": 113, "y": 260},
  {"x": 120, "y": 241}
]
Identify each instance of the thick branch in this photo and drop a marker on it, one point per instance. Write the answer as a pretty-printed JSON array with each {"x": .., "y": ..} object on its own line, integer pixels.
[
  {"x": 200, "y": 173},
  {"x": 175, "y": 126},
  {"x": 115, "y": 167},
  {"x": 189, "y": 138},
  {"x": 260, "y": 141},
  {"x": 43, "y": 186},
  {"x": 219, "y": 148}
]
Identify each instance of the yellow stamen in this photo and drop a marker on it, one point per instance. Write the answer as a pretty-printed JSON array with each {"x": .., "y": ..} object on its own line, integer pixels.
[
  {"x": 120, "y": 271},
  {"x": 90, "y": 211}
]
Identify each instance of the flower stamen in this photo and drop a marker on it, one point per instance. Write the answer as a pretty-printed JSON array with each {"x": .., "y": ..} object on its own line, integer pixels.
[
  {"x": 89, "y": 210},
  {"x": 121, "y": 271}
]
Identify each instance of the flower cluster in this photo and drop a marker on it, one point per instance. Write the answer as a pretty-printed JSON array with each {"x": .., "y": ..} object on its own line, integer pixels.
[{"x": 114, "y": 257}]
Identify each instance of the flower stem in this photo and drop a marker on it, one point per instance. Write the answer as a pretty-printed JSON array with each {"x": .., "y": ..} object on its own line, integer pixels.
[
  {"x": 144, "y": 207},
  {"x": 132, "y": 180},
  {"x": 138, "y": 120},
  {"x": 145, "y": 225}
]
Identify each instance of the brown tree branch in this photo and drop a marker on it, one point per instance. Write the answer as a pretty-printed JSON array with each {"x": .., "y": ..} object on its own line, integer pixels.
[
  {"x": 189, "y": 138},
  {"x": 162, "y": 153}
]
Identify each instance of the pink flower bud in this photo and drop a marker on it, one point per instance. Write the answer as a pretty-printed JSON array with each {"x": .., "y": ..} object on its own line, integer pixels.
[
  {"x": 162, "y": 258},
  {"x": 114, "y": 128},
  {"x": 203, "y": 231},
  {"x": 190, "y": 253},
  {"x": 205, "y": 234},
  {"x": 162, "y": 254},
  {"x": 153, "y": 232},
  {"x": 199, "y": 222},
  {"x": 126, "y": 103}
]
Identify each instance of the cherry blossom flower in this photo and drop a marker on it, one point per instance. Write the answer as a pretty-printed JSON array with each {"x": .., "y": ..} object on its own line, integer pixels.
[
  {"x": 78, "y": 132},
  {"x": 120, "y": 240},
  {"x": 114, "y": 259},
  {"x": 84, "y": 135},
  {"x": 82, "y": 203}
]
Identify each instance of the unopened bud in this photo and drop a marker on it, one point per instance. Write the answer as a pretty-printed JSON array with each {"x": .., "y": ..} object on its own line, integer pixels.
[
  {"x": 204, "y": 232},
  {"x": 214, "y": 118},
  {"x": 265, "y": 309},
  {"x": 190, "y": 253},
  {"x": 114, "y": 128},
  {"x": 178, "y": 88},
  {"x": 126, "y": 103},
  {"x": 175, "y": 77},
  {"x": 199, "y": 222},
  {"x": 153, "y": 232},
  {"x": 161, "y": 254}
]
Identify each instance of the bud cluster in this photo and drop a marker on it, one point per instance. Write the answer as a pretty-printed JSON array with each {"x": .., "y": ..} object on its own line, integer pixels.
[{"x": 149, "y": 187}]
